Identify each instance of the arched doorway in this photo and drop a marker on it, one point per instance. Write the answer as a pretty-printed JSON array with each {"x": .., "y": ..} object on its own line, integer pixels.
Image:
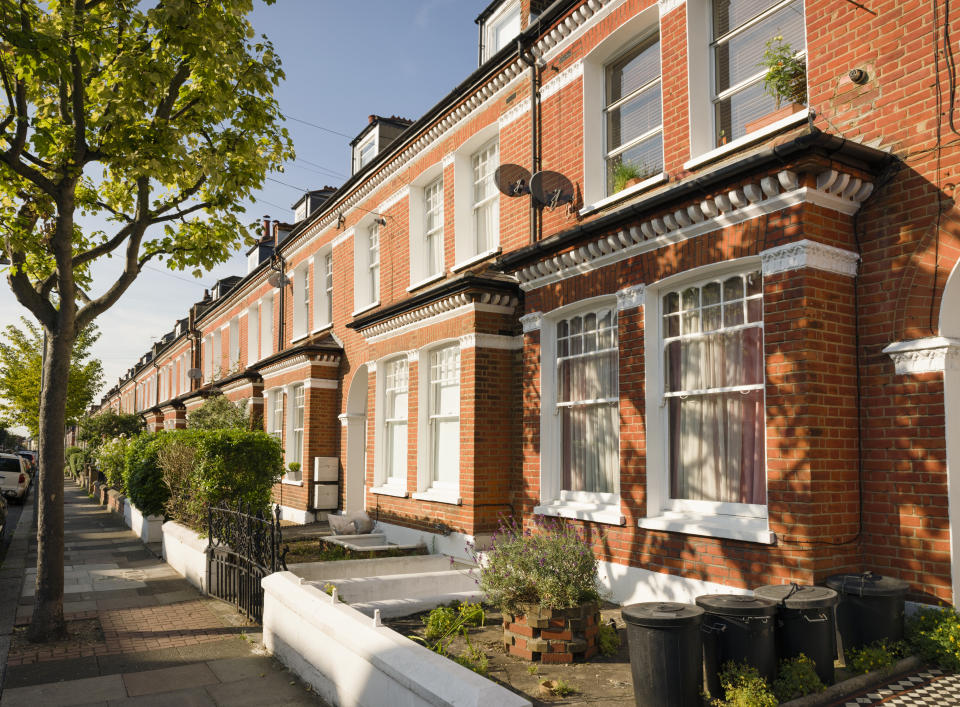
[
  {"x": 355, "y": 420},
  {"x": 950, "y": 329}
]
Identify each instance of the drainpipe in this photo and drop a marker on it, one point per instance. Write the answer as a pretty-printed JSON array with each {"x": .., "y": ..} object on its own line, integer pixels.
[{"x": 536, "y": 221}]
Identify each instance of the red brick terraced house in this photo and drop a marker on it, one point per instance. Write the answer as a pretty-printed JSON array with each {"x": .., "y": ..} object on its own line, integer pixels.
[{"x": 718, "y": 331}]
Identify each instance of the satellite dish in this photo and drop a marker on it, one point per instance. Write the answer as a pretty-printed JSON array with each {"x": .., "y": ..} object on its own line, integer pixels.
[
  {"x": 194, "y": 374},
  {"x": 512, "y": 179},
  {"x": 277, "y": 280},
  {"x": 551, "y": 189}
]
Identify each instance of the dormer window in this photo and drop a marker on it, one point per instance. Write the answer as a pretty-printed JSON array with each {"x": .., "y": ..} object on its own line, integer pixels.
[
  {"x": 366, "y": 151},
  {"x": 499, "y": 26},
  {"x": 375, "y": 138}
]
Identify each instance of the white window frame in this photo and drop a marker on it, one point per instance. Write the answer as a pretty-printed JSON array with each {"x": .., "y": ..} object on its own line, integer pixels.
[
  {"x": 366, "y": 271},
  {"x": 296, "y": 439},
  {"x": 301, "y": 300},
  {"x": 501, "y": 16},
  {"x": 390, "y": 481},
  {"x": 234, "y": 343},
  {"x": 323, "y": 289},
  {"x": 466, "y": 251},
  {"x": 747, "y": 522},
  {"x": 253, "y": 333},
  {"x": 420, "y": 273},
  {"x": 427, "y": 469},
  {"x": 266, "y": 325},
  {"x": 618, "y": 42},
  {"x": 554, "y": 501},
  {"x": 206, "y": 350},
  {"x": 703, "y": 129},
  {"x": 216, "y": 349},
  {"x": 370, "y": 141},
  {"x": 654, "y": 85},
  {"x": 275, "y": 413}
]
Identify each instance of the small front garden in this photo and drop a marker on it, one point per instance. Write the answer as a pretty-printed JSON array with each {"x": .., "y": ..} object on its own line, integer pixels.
[{"x": 319, "y": 550}]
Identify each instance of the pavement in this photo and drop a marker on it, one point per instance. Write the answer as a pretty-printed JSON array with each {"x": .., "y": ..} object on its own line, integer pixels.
[{"x": 141, "y": 635}]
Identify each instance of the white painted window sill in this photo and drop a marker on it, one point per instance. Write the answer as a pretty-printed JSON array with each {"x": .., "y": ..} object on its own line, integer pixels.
[
  {"x": 325, "y": 327},
  {"x": 291, "y": 482},
  {"x": 365, "y": 308},
  {"x": 624, "y": 194},
  {"x": 298, "y": 337},
  {"x": 753, "y": 530},
  {"x": 389, "y": 491},
  {"x": 594, "y": 513},
  {"x": 437, "y": 496},
  {"x": 717, "y": 152},
  {"x": 427, "y": 281},
  {"x": 476, "y": 259}
]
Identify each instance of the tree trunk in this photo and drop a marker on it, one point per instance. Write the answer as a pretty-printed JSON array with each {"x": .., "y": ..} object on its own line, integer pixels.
[{"x": 47, "y": 623}]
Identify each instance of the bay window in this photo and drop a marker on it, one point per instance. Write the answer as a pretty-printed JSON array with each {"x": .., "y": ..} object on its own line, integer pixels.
[
  {"x": 393, "y": 396},
  {"x": 295, "y": 451}
]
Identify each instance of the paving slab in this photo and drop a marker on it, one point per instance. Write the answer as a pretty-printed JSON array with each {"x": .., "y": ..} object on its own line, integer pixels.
[
  {"x": 151, "y": 682},
  {"x": 50, "y": 671},
  {"x": 271, "y": 689},
  {"x": 69, "y": 692},
  {"x": 194, "y": 697},
  {"x": 232, "y": 669}
]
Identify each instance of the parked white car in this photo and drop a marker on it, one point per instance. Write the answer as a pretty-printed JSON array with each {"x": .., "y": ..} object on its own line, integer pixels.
[{"x": 14, "y": 477}]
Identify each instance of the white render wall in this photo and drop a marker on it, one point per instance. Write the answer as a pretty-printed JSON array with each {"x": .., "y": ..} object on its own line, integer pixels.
[
  {"x": 350, "y": 661},
  {"x": 185, "y": 551}
]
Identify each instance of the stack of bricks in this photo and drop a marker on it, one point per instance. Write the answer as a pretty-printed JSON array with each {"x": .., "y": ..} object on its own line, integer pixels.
[{"x": 552, "y": 635}]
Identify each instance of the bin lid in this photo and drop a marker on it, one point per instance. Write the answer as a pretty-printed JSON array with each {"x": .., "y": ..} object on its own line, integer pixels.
[
  {"x": 737, "y": 605},
  {"x": 797, "y": 596},
  {"x": 659, "y": 614},
  {"x": 867, "y": 584}
]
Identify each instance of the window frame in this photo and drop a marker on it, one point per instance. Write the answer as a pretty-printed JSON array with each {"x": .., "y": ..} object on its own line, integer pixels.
[
  {"x": 391, "y": 481},
  {"x": 507, "y": 11},
  {"x": 366, "y": 274},
  {"x": 301, "y": 300},
  {"x": 609, "y": 106},
  {"x": 428, "y": 471},
  {"x": 594, "y": 506},
  {"x": 296, "y": 437},
  {"x": 749, "y": 522},
  {"x": 489, "y": 204},
  {"x": 323, "y": 289}
]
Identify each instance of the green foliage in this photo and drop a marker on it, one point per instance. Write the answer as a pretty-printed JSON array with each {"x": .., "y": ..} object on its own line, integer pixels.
[
  {"x": 109, "y": 425},
  {"x": 561, "y": 688},
  {"x": 786, "y": 77},
  {"x": 142, "y": 475},
  {"x": 201, "y": 468},
  {"x": 78, "y": 459},
  {"x": 9, "y": 440},
  {"x": 623, "y": 172},
  {"x": 444, "y": 620},
  {"x": 796, "y": 677},
  {"x": 20, "y": 362},
  {"x": 473, "y": 658},
  {"x": 69, "y": 451},
  {"x": 935, "y": 635},
  {"x": 608, "y": 639},
  {"x": 743, "y": 687},
  {"x": 551, "y": 565},
  {"x": 877, "y": 655},
  {"x": 112, "y": 459},
  {"x": 218, "y": 413}
]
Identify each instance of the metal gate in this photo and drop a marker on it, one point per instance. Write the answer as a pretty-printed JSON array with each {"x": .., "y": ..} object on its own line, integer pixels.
[{"x": 243, "y": 548}]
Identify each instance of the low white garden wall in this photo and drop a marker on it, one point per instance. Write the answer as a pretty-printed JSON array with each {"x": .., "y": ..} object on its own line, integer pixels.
[
  {"x": 186, "y": 552},
  {"x": 148, "y": 528},
  {"x": 352, "y": 662}
]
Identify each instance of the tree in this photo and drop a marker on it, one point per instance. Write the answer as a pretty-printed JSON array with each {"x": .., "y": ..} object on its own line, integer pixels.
[
  {"x": 218, "y": 413},
  {"x": 9, "y": 440},
  {"x": 109, "y": 425},
  {"x": 20, "y": 369},
  {"x": 132, "y": 115}
]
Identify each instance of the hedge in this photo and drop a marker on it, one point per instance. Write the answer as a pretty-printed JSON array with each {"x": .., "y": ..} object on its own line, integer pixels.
[{"x": 225, "y": 466}]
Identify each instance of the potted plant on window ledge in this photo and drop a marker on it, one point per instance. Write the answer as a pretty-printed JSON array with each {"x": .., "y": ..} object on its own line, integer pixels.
[
  {"x": 627, "y": 175},
  {"x": 785, "y": 81}
]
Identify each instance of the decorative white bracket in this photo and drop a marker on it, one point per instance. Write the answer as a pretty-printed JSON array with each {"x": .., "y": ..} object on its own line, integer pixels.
[{"x": 934, "y": 353}]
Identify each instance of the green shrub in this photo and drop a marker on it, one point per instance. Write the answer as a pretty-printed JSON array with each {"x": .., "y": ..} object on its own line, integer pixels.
[
  {"x": 112, "y": 459},
  {"x": 935, "y": 635},
  {"x": 218, "y": 413},
  {"x": 143, "y": 478},
  {"x": 608, "y": 639},
  {"x": 108, "y": 425},
  {"x": 70, "y": 451},
  {"x": 797, "y": 677},
  {"x": 76, "y": 459},
  {"x": 743, "y": 687},
  {"x": 552, "y": 566},
  {"x": 439, "y": 622},
  {"x": 877, "y": 655},
  {"x": 176, "y": 460}
]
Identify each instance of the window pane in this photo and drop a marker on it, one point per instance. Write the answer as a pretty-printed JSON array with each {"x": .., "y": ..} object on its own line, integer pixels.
[
  {"x": 640, "y": 66},
  {"x": 728, "y": 14},
  {"x": 637, "y": 116},
  {"x": 739, "y": 58}
]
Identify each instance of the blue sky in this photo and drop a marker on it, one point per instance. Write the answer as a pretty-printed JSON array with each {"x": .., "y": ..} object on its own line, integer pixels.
[{"x": 343, "y": 61}]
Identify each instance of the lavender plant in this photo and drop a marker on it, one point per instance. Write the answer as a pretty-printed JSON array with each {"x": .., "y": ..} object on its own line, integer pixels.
[{"x": 551, "y": 565}]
